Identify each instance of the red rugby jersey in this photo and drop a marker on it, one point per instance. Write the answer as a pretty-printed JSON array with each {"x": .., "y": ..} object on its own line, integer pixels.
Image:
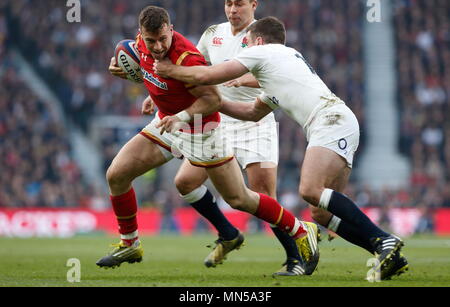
[{"x": 172, "y": 96}]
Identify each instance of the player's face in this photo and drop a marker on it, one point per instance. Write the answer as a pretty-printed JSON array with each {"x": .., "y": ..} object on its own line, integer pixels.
[
  {"x": 240, "y": 13},
  {"x": 158, "y": 43}
]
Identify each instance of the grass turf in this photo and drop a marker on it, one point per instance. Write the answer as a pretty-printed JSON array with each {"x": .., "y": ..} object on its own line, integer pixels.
[{"x": 176, "y": 261}]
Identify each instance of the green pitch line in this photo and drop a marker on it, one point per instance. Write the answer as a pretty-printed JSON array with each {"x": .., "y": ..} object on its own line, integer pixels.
[{"x": 178, "y": 261}]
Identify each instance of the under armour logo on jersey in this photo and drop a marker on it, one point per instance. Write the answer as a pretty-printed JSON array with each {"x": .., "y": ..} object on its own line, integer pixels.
[
  {"x": 217, "y": 41},
  {"x": 144, "y": 56}
]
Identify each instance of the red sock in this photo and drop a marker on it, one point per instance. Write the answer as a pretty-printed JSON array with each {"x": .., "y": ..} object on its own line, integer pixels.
[
  {"x": 272, "y": 212},
  {"x": 125, "y": 208}
]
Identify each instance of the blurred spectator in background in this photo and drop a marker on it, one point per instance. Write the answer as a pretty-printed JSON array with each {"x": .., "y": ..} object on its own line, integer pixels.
[
  {"x": 37, "y": 168},
  {"x": 423, "y": 68}
]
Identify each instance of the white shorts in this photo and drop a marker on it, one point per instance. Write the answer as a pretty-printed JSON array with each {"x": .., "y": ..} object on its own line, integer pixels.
[
  {"x": 207, "y": 149},
  {"x": 336, "y": 128},
  {"x": 253, "y": 142}
]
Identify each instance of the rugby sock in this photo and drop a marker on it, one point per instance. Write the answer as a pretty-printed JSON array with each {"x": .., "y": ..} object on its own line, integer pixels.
[
  {"x": 125, "y": 208},
  {"x": 344, "y": 208},
  {"x": 289, "y": 245},
  {"x": 272, "y": 212},
  {"x": 349, "y": 233},
  {"x": 130, "y": 238},
  {"x": 203, "y": 201}
]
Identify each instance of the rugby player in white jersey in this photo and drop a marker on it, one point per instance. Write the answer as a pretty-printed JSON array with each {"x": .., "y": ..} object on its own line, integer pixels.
[{"x": 331, "y": 128}]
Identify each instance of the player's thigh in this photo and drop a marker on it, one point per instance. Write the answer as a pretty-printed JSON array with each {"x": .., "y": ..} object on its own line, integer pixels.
[
  {"x": 255, "y": 146},
  {"x": 229, "y": 182},
  {"x": 189, "y": 177},
  {"x": 135, "y": 158},
  {"x": 321, "y": 168},
  {"x": 262, "y": 179}
]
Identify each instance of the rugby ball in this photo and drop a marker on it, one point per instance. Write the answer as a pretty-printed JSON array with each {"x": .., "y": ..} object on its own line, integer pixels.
[{"x": 128, "y": 59}]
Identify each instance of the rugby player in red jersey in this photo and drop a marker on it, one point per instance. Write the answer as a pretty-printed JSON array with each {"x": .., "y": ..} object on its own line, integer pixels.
[{"x": 173, "y": 133}]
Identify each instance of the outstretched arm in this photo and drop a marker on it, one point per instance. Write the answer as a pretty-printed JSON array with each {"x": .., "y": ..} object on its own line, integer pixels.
[
  {"x": 247, "y": 80},
  {"x": 201, "y": 75},
  {"x": 246, "y": 111}
]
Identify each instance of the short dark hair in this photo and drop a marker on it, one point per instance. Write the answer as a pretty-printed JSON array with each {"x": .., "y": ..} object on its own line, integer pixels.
[
  {"x": 153, "y": 18},
  {"x": 271, "y": 29}
]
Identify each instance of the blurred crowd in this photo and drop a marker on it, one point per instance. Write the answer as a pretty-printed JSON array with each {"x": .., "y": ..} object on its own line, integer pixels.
[
  {"x": 423, "y": 67},
  {"x": 73, "y": 58},
  {"x": 37, "y": 168}
]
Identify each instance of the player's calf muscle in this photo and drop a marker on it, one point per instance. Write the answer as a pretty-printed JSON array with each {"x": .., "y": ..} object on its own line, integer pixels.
[
  {"x": 263, "y": 186},
  {"x": 229, "y": 182},
  {"x": 246, "y": 201},
  {"x": 310, "y": 193},
  {"x": 236, "y": 202},
  {"x": 239, "y": 199},
  {"x": 262, "y": 180},
  {"x": 320, "y": 216}
]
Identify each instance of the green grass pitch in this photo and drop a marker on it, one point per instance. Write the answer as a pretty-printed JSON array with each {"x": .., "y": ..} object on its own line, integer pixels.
[{"x": 177, "y": 261}]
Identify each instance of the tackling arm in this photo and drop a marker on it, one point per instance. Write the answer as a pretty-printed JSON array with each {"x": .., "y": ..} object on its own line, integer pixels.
[
  {"x": 246, "y": 111},
  {"x": 201, "y": 75},
  {"x": 247, "y": 80}
]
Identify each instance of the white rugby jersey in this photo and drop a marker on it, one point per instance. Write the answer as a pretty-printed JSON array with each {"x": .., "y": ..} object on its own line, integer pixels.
[
  {"x": 218, "y": 44},
  {"x": 288, "y": 81}
]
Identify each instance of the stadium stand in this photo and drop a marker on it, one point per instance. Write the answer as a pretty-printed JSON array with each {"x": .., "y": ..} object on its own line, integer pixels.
[
  {"x": 423, "y": 48},
  {"x": 73, "y": 59},
  {"x": 37, "y": 165}
]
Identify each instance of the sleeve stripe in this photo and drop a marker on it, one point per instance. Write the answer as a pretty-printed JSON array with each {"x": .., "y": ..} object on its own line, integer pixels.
[{"x": 184, "y": 55}]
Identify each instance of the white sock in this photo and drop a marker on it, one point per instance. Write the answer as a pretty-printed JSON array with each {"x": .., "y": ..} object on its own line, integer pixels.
[
  {"x": 333, "y": 225},
  {"x": 325, "y": 198},
  {"x": 195, "y": 195},
  {"x": 129, "y": 236}
]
